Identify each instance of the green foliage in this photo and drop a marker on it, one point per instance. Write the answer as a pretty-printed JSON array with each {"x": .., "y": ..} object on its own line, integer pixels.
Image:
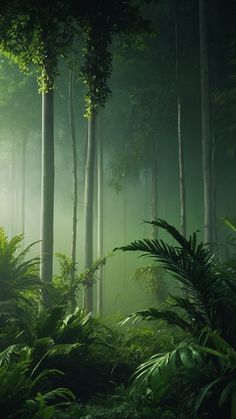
[
  {"x": 39, "y": 36},
  {"x": 114, "y": 17},
  {"x": 19, "y": 290},
  {"x": 97, "y": 67},
  {"x": 90, "y": 272},
  {"x": 65, "y": 286},
  {"x": 203, "y": 365},
  {"x": 47, "y": 406},
  {"x": 16, "y": 275},
  {"x": 21, "y": 393},
  {"x": 118, "y": 405},
  {"x": 152, "y": 277}
]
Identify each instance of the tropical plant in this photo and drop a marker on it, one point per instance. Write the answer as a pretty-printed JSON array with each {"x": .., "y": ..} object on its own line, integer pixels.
[
  {"x": 66, "y": 285},
  {"x": 23, "y": 393},
  {"x": 152, "y": 278},
  {"x": 17, "y": 276},
  {"x": 205, "y": 310},
  {"x": 19, "y": 289}
]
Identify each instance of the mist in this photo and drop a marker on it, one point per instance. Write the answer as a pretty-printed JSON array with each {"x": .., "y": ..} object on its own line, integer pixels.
[{"x": 117, "y": 126}]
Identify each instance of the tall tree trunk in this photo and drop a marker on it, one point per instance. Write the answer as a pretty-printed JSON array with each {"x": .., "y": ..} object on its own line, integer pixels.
[
  {"x": 23, "y": 174},
  {"x": 47, "y": 191},
  {"x": 75, "y": 176},
  {"x": 214, "y": 227},
  {"x": 125, "y": 195},
  {"x": 154, "y": 189},
  {"x": 13, "y": 186},
  {"x": 100, "y": 272},
  {"x": 206, "y": 137},
  {"x": 179, "y": 130},
  {"x": 88, "y": 211}
]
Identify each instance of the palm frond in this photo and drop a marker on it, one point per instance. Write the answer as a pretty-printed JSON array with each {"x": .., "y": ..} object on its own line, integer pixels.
[
  {"x": 192, "y": 265},
  {"x": 168, "y": 315},
  {"x": 153, "y": 375}
]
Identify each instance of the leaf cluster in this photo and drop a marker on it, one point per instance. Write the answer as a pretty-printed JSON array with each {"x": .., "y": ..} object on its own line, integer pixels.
[{"x": 205, "y": 310}]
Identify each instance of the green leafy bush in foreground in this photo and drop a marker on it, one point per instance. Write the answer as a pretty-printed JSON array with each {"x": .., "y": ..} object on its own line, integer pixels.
[
  {"x": 24, "y": 391},
  {"x": 198, "y": 377},
  {"x": 52, "y": 351}
]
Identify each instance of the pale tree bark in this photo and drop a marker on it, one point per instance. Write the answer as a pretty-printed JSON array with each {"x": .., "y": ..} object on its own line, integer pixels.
[
  {"x": 23, "y": 182},
  {"x": 75, "y": 171},
  {"x": 88, "y": 211},
  {"x": 214, "y": 227},
  {"x": 154, "y": 188},
  {"x": 182, "y": 194},
  {"x": 15, "y": 187},
  {"x": 100, "y": 272},
  {"x": 206, "y": 135},
  {"x": 47, "y": 186}
]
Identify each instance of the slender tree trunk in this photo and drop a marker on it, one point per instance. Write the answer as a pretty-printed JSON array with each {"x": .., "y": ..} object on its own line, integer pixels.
[
  {"x": 88, "y": 211},
  {"x": 125, "y": 197},
  {"x": 75, "y": 176},
  {"x": 180, "y": 138},
  {"x": 23, "y": 174},
  {"x": 13, "y": 186},
  {"x": 47, "y": 191},
  {"x": 214, "y": 227},
  {"x": 154, "y": 190},
  {"x": 100, "y": 273},
  {"x": 206, "y": 137}
]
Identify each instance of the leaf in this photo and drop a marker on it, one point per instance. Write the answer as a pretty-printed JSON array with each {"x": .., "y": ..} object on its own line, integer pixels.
[
  {"x": 229, "y": 388},
  {"x": 204, "y": 392},
  {"x": 155, "y": 372},
  {"x": 230, "y": 223},
  {"x": 5, "y": 355}
]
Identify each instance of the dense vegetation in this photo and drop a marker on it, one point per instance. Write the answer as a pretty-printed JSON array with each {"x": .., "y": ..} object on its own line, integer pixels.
[{"x": 47, "y": 354}]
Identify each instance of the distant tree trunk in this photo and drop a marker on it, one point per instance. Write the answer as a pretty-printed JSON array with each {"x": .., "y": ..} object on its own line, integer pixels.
[
  {"x": 23, "y": 174},
  {"x": 75, "y": 176},
  {"x": 214, "y": 227},
  {"x": 206, "y": 137},
  {"x": 154, "y": 189},
  {"x": 15, "y": 182},
  {"x": 13, "y": 186},
  {"x": 125, "y": 197},
  {"x": 47, "y": 191},
  {"x": 179, "y": 130},
  {"x": 100, "y": 273},
  {"x": 88, "y": 211}
]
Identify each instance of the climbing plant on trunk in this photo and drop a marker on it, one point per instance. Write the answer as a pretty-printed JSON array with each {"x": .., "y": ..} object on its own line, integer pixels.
[
  {"x": 43, "y": 35},
  {"x": 102, "y": 20}
]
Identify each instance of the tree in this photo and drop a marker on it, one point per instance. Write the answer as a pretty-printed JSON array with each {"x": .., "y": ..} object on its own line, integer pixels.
[
  {"x": 100, "y": 214},
  {"x": 74, "y": 156},
  {"x": 40, "y": 35},
  {"x": 102, "y": 21},
  {"x": 95, "y": 72},
  {"x": 179, "y": 126},
  {"x": 206, "y": 134},
  {"x": 19, "y": 104}
]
